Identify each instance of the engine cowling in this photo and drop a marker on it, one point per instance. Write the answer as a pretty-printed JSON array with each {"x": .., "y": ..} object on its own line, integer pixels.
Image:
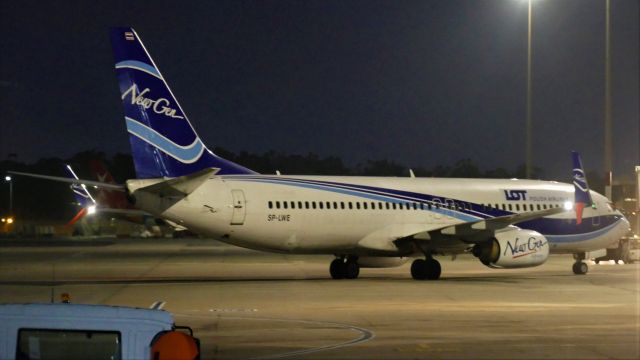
[{"x": 513, "y": 249}]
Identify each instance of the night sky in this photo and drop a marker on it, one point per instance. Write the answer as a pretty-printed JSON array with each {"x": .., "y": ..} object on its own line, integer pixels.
[{"x": 422, "y": 83}]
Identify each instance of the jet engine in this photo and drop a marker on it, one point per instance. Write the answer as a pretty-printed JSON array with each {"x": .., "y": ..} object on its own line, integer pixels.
[{"x": 515, "y": 248}]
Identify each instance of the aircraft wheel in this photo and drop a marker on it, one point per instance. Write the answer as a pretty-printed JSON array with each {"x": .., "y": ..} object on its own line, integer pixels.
[
  {"x": 352, "y": 270},
  {"x": 338, "y": 269},
  {"x": 419, "y": 269},
  {"x": 580, "y": 268},
  {"x": 433, "y": 269}
]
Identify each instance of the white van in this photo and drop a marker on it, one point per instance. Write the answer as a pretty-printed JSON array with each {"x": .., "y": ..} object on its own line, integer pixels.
[{"x": 76, "y": 331}]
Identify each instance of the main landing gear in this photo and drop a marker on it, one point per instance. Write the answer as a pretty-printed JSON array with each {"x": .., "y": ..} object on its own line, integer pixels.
[
  {"x": 345, "y": 268},
  {"x": 426, "y": 269},
  {"x": 579, "y": 267}
]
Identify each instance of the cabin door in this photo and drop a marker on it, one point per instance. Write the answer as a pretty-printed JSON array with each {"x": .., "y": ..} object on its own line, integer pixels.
[{"x": 239, "y": 207}]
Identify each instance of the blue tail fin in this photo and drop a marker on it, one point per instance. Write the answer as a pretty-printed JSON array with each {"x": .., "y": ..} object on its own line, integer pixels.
[
  {"x": 163, "y": 142},
  {"x": 581, "y": 188}
]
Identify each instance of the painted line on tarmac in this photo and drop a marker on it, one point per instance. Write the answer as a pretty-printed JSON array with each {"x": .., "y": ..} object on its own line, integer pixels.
[{"x": 365, "y": 335}]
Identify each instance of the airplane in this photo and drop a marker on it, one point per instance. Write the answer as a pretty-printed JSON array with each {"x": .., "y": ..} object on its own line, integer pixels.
[
  {"x": 83, "y": 198},
  {"x": 362, "y": 221}
]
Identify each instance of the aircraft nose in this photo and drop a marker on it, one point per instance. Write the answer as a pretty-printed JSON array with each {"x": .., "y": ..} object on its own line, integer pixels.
[
  {"x": 627, "y": 225},
  {"x": 624, "y": 225}
]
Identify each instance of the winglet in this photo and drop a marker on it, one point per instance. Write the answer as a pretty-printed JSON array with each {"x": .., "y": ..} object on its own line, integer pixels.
[{"x": 582, "y": 194}]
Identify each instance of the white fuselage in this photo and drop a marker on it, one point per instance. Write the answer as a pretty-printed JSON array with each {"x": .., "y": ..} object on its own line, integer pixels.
[{"x": 340, "y": 215}]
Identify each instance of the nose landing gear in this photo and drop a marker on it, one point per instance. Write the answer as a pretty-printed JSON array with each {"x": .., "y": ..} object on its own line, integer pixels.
[{"x": 579, "y": 267}]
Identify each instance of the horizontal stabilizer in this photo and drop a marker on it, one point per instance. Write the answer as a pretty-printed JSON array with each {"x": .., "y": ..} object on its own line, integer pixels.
[
  {"x": 72, "y": 181},
  {"x": 127, "y": 212},
  {"x": 180, "y": 186}
]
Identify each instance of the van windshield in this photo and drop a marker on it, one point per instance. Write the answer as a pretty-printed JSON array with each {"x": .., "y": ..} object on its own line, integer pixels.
[{"x": 46, "y": 344}]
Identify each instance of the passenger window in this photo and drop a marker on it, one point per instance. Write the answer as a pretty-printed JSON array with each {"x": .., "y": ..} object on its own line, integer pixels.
[
  {"x": 277, "y": 204},
  {"x": 538, "y": 206},
  {"x": 306, "y": 204},
  {"x": 328, "y": 205},
  {"x": 335, "y": 205},
  {"x": 510, "y": 207},
  {"x": 270, "y": 204},
  {"x": 504, "y": 207},
  {"x": 380, "y": 206},
  {"x": 387, "y": 205},
  {"x": 358, "y": 205},
  {"x": 350, "y": 205},
  {"x": 320, "y": 206},
  {"x": 299, "y": 204},
  {"x": 373, "y": 205},
  {"x": 415, "y": 206},
  {"x": 531, "y": 207},
  {"x": 393, "y": 205},
  {"x": 293, "y": 205},
  {"x": 342, "y": 205},
  {"x": 364, "y": 205},
  {"x": 313, "y": 204},
  {"x": 517, "y": 207},
  {"x": 284, "y": 205}
]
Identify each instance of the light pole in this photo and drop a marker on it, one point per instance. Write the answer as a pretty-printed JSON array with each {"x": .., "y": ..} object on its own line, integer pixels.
[
  {"x": 8, "y": 179},
  {"x": 528, "y": 166},
  {"x": 608, "y": 153}
]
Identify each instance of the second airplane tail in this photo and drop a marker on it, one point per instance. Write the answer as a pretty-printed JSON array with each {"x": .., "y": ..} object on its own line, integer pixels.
[
  {"x": 581, "y": 187},
  {"x": 163, "y": 142}
]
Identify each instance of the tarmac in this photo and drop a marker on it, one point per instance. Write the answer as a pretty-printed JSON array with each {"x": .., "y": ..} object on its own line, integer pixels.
[{"x": 247, "y": 304}]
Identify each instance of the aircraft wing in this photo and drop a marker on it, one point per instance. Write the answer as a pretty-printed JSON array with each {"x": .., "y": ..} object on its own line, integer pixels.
[
  {"x": 449, "y": 239},
  {"x": 104, "y": 185},
  {"x": 491, "y": 224}
]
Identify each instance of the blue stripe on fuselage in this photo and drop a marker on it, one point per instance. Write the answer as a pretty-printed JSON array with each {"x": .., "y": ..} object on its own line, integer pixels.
[
  {"x": 573, "y": 238},
  {"x": 556, "y": 230}
]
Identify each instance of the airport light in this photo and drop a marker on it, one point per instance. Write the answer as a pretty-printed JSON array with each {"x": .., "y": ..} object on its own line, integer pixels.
[
  {"x": 568, "y": 205},
  {"x": 8, "y": 179},
  {"x": 91, "y": 210},
  {"x": 10, "y": 220}
]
